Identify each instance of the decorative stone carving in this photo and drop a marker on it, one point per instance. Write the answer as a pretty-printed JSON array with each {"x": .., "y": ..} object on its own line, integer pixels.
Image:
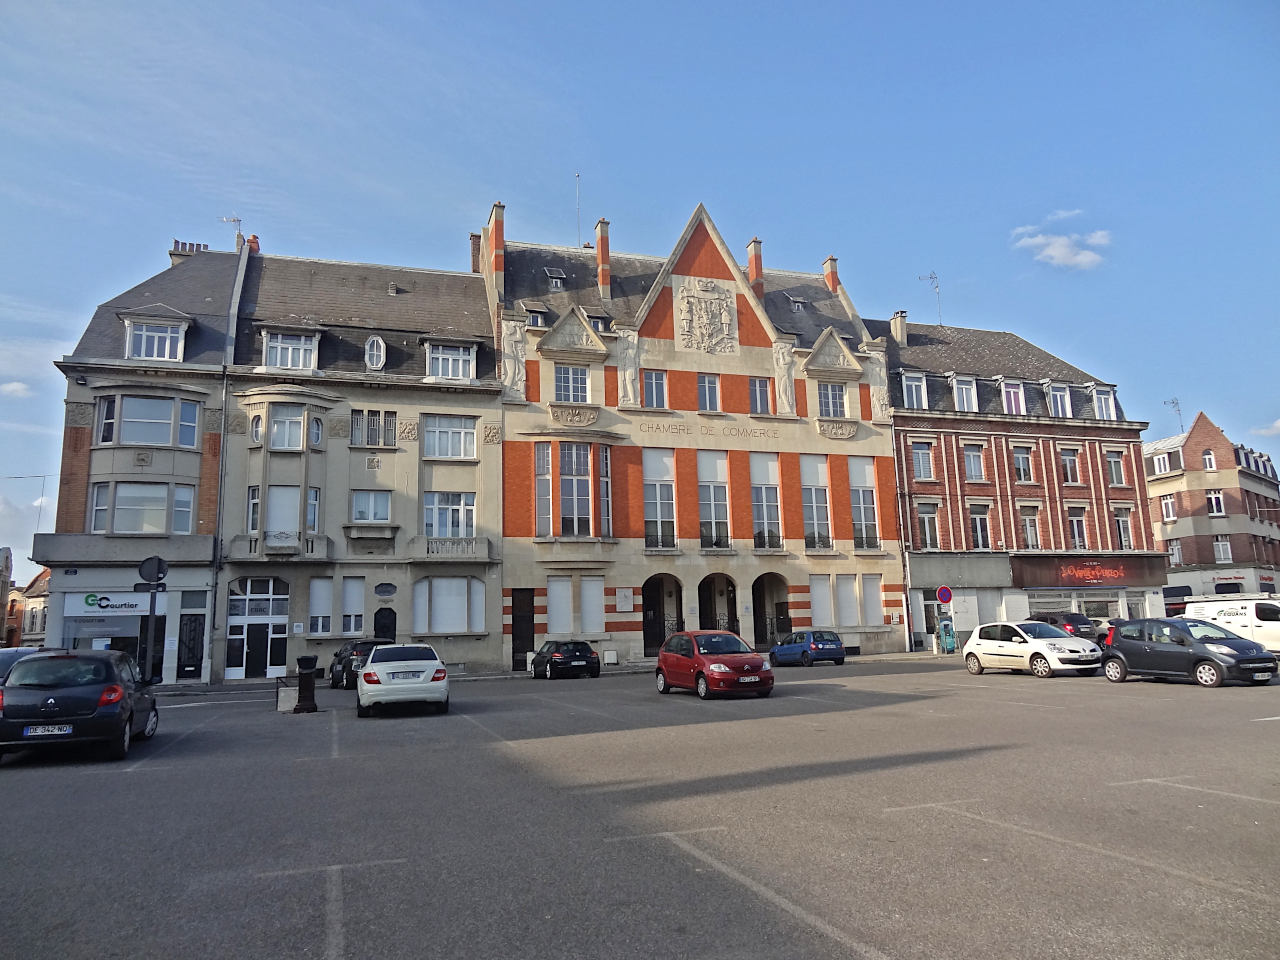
[
  {"x": 877, "y": 379},
  {"x": 212, "y": 420},
  {"x": 784, "y": 363},
  {"x": 238, "y": 424},
  {"x": 513, "y": 354},
  {"x": 493, "y": 433},
  {"x": 838, "y": 429},
  {"x": 571, "y": 415},
  {"x": 339, "y": 428},
  {"x": 407, "y": 429},
  {"x": 706, "y": 316},
  {"x": 142, "y": 458},
  {"x": 628, "y": 368},
  {"x": 79, "y": 415}
]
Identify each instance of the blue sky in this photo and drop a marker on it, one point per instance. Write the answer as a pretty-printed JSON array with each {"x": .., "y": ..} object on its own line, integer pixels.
[{"x": 1097, "y": 177}]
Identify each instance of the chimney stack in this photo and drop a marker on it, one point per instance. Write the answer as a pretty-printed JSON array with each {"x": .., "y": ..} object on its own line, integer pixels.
[
  {"x": 496, "y": 236},
  {"x": 898, "y": 327},
  {"x": 829, "y": 274},
  {"x": 603, "y": 276},
  {"x": 755, "y": 267},
  {"x": 475, "y": 253},
  {"x": 253, "y": 243}
]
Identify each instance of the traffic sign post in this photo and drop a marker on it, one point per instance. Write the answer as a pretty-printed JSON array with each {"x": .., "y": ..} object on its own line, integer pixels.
[
  {"x": 152, "y": 570},
  {"x": 944, "y": 594}
]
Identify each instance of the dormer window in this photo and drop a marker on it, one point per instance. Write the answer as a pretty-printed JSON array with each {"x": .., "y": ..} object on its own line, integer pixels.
[
  {"x": 965, "y": 390},
  {"x": 451, "y": 361},
  {"x": 1058, "y": 396},
  {"x": 797, "y": 303},
  {"x": 1104, "y": 403},
  {"x": 289, "y": 351},
  {"x": 915, "y": 393},
  {"x": 154, "y": 341},
  {"x": 375, "y": 353},
  {"x": 556, "y": 276},
  {"x": 601, "y": 324},
  {"x": 537, "y": 319},
  {"x": 1011, "y": 396}
]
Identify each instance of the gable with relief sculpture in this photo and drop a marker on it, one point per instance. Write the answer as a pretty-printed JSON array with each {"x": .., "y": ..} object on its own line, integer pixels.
[
  {"x": 831, "y": 358},
  {"x": 571, "y": 338},
  {"x": 706, "y": 315}
]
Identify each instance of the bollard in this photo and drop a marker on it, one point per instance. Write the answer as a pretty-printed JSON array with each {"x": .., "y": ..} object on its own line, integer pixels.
[{"x": 306, "y": 685}]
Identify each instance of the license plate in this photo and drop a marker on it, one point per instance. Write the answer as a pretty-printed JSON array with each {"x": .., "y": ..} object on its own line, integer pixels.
[
  {"x": 405, "y": 676},
  {"x": 1262, "y": 676},
  {"x": 748, "y": 679},
  {"x": 47, "y": 730},
  {"x": 578, "y": 663}
]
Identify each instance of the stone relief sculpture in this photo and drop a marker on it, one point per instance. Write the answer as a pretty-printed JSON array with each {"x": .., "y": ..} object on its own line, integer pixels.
[
  {"x": 513, "y": 354},
  {"x": 707, "y": 318},
  {"x": 628, "y": 368},
  {"x": 879, "y": 383},
  {"x": 784, "y": 362}
]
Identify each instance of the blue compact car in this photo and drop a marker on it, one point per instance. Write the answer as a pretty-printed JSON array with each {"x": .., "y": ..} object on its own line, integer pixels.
[{"x": 806, "y": 646}]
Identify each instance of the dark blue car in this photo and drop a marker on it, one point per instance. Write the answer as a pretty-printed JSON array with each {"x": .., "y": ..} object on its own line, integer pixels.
[{"x": 806, "y": 646}]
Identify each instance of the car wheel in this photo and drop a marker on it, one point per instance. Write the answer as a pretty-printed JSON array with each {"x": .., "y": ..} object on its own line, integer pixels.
[
  {"x": 443, "y": 706},
  {"x": 1115, "y": 670},
  {"x": 973, "y": 664},
  {"x": 1208, "y": 674},
  {"x": 118, "y": 748},
  {"x": 362, "y": 710},
  {"x": 348, "y": 680},
  {"x": 333, "y": 679},
  {"x": 1088, "y": 672},
  {"x": 805, "y": 659},
  {"x": 773, "y": 659},
  {"x": 1040, "y": 667},
  {"x": 663, "y": 686},
  {"x": 595, "y": 672},
  {"x": 547, "y": 671},
  {"x": 764, "y": 693},
  {"x": 703, "y": 688},
  {"x": 840, "y": 662},
  {"x": 153, "y": 723}
]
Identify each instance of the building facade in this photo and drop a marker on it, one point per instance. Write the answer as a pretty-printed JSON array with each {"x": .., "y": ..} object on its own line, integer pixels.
[
  {"x": 35, "y": 597},
  {"x": 1215, "y": 509}
]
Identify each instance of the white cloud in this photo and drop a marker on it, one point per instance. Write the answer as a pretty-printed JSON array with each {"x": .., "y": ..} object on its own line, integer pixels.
[
  {"x": 1061, "y": 249},
  {"x": 1019, "y": 231},
  {"x": 1271, "y": 431},
  {"x": 1099, "y": 238},
  {"x": 15, "y": 388},
  {"x": 1062, "y": 215}
]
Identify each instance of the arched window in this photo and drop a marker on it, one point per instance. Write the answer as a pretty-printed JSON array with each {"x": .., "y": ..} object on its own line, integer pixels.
[
  {"x": 317, "y": 431},
  {"x": 375, "y": 353},
  {"x": 1209, "y": 462},
  {"x": 255, "y": 429}
]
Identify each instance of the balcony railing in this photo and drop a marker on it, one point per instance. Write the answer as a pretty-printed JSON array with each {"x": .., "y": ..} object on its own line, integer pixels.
[
  {"x": 869, "y": 542},
  {"x": 768, "y": 540},
  {"x": 449, "y": 548}
]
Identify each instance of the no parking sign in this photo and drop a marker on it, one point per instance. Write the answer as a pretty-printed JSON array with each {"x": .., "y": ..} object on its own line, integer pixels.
[{"x": 944, "y": 594}]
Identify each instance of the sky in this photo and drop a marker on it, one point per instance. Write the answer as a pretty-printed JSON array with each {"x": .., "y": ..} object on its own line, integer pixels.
[{"x": 1098, "y": 178}]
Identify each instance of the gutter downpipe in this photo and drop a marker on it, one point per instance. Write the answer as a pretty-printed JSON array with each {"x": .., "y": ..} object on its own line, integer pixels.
[{"x": 904, "y": 502}]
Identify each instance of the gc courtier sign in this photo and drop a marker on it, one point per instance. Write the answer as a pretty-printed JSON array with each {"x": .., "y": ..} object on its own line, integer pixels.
[{"x": 1073, "y": 570}]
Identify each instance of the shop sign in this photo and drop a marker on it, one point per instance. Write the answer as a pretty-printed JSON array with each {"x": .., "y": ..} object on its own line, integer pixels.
[
  {"x": 1077, "y": 571},
  {"x": 110, "y": 603}
]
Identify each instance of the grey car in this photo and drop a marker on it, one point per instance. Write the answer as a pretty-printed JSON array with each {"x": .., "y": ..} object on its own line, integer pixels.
[{"x": 1185, "y": 649}]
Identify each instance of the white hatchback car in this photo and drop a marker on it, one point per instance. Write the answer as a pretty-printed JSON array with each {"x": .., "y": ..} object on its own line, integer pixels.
[
  {"x": 402, "y": 673},
  {"x": 1034, "y": 646}
]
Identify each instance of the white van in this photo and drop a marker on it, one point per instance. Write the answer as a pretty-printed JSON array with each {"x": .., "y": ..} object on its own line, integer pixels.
[{"x": 1255, "y": 616}]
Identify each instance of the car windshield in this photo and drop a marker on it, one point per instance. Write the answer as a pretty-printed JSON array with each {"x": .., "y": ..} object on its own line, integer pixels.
[
  {"x": 364, "y": 647},
  {"x": 58, "y": 672},
  {"x": 1043, "y": 631},
  {"x": 9, "y": 657},
  {"x": 400, "y": 654},
  {"x": 1207, "y": 631},
  {"x": 714, "y": 643}
]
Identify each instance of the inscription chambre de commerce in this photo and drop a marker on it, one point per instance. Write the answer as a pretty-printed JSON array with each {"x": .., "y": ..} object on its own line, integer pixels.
[{"x": 727, "y": 431}]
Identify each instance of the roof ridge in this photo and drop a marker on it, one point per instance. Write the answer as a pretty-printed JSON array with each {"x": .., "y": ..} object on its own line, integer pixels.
[{"x": 380, "y": 266}]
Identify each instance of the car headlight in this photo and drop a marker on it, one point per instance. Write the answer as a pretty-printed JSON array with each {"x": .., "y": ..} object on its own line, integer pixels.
[
  {"x": 1055, "y": 648},
  {"x": 719, "y": 668},
  {"x": 1220, "y": 648},
  {"x": 766, "y": 666}
]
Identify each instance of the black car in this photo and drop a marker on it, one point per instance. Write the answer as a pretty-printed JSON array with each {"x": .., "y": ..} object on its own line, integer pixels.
[
  {"x": 1076, "y": 624},
  {"x": 76, "y": 696},
  {"x": 566, "y": 658},
  {"x": 1187, "y": 649},
  {"x": 348, "y": 660}
]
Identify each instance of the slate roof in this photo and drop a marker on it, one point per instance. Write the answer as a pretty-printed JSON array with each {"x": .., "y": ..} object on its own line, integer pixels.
[{"x": 1163, "y": 444}]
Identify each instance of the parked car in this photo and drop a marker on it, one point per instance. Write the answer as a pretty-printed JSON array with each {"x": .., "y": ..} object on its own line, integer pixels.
[
  {"x": 83, "y": 696},
  {"x": 807, "y": 646},
  {"x": 1255, "y": 617},
  {"x": 402, "y": 673},
  {"x": 347, "y": 662},
  {"x": 566, "y": 658},
  {"x": 1039, "y": 647},
  {"x": 1076, "y": 624},
  {"x": 712, "y": 662},
  {"x": 11, "y": 655},
  {"x": 1185, "y": 648}
]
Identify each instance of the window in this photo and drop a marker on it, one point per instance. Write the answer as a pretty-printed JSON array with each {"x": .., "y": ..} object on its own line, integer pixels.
[
  {"x": 575, "y": 489},
  {"x": 1214, "y": 500},
  {"x": 928, "y": 514},
  {"x": 321, "y": 605},
  {"x": 1022, "y": 464},
  {"x": 1168, "y": 508},
  {"x": 286, "y": 426},
  {"x": 766, "y": 520},
  {"x": 374, "y": 428},
  {"x": 451, "y": 515},
  {"x": 251, "y": 513},
  {"x": 979, "y": 525},
  {"x": 537, "y": 319},
  {"x": 1030, "y": 517},
  {"x": 922, "y": 460},
  {"x": 1076, "y": 528},
  {"x": 600, "y": 324},
  {"x": 448, "y": 605},
  {"x": 282, "y": 514},
  {"x": 141, "y": 508},
  {"x": 353, "y": 605},
  {"x": 1175, "y": 552},
  {"x": 317, "y": 431},
  {"x": 973, "y": 469},
  {"x": 659, "y": 498},
  {"x": 965, "y": 390},
  {"x": 814, "y": 501},
  {"x": 915, "y": 393},
  {"x": 571, "y": 384},
  {"x": 606, "y": 493},
  {"x": 1059, "y": 397},
  {"x": 375, "y": 356},
  {"x": 1160, "y": 463},
  {"x": 1124, "y": 529},
  {"x": 708, "y": 391},
  {"x": 831, "y": 400},
  {"x": 758, "y": 395},
  {"x": 591, "y": 604},
  {"x": 655, "y": 388},
  {"x": 289, "y": 351},
  {"x": 1222, "y": 548},
  {"x": 155, "y": 341},
  {"x": 1011, "y": 395},
  {"x": 1070, "y": 465},
  {"x": 448, "y": 436},
  {"x": 1104, "y": 403},
  {"x": 184, "y": 498},
  {"x": 313, "y": 509},
  {"x": 820, "y": 601},
  {"x": 542, "y": 489},
  {"x": 450, "y": 361},
  {"x": 1115, "y": 468},
  {"x": 370, "y": 506},
  {"x": 100, "y": 508},
  {"x": 872, "y": 605},
  {"x": 1210, "y": 462},
  {"x": 148, "y": 421},
  {"x": 862, "y": 494},
  {"x": 713, "y": 498}
]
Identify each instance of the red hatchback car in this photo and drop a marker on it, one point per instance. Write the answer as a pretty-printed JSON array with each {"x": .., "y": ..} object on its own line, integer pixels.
[{"x": 712, "y": 662}]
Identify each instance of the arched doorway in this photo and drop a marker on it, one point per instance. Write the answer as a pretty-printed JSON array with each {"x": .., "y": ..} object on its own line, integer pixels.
[
  {"x": 770, "y": 614},
  {"x": 384, "y": 624},
  {"x": 661, "y": 600},
  {"x": 718, "y": 603}
]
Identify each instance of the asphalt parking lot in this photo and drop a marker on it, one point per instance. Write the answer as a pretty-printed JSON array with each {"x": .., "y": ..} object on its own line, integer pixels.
[{"x": 876, "y": 810}]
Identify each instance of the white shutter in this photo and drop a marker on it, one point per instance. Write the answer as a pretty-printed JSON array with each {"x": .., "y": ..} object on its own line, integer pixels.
[
  {"x": 846, "y": 600},
  {"x": 282, "y": 510},
  {"x": 872, "y": 608},
  {"x": 820, "y": 601},
  {"x": 560, "y": 604},
  {"x": 764, "y": 469},
  {"x": 591, "y": 592},
  {"x": 449, "y": 604},
  {"x": 813, "y": 470},
  {"x": 713, "y": 466},
  {"x": 421, "y": 606},
  {"x": 862, "y": 472},
  {"x": 352, "y": 595},
  {"x": 659, "y": 463},
  {"x": 321, "y": 597},
  {"x": 476, "y": 613}
]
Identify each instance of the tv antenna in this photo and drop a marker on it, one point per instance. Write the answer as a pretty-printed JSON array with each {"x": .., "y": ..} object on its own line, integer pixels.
[
  {"x": 577, "y": 196},
  {"x": 934, "y": 282},
  {"x": 232, "y": 219},
  {"x": 1177, "y": 408}
]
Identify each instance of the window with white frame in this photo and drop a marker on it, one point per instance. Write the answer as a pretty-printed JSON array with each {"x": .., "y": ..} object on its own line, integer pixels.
[
  {"x": 1169, "y": 508},
  {"x": 1115, "y": 468},
  {"x": 542, "y": 489},
  {"x": 447, "y": 605},
  {"x": 1076, "y": 528},
  {"x": 320, "y": 606},
  {"x": 289, "y": 351},
  {"x": 317, "y": 431},
  {"x": 286, "y": 426},
  {"x": 1175, "y": 552},
  {"x": 282, "y": 513},
  {"x": 575, "y": 489},
  {"x": 352, "y": 605},
  {"x": 571, "y": 384},
  {"x": 815, "y": 501},
  {"x": 606, "y": 492},
  {"x": 862, "y": 496},
  {"x": 1124, "y": 528},
  {"x": 1210, "y": 462},
  {"x": 708, "y": 392},
  {"x": 1059, "y": 396},
  {"x": 451, "y": 515},
  {"x": 448, "y": 437},
  {"x": 255, "y": 428},
  {"x": 766, "y": 520},
  {"x": 184, "y": 497},
  {"x": 1222, "y": 548},
  {"x": 1070, "y": 460},
  {"x": 375, "y": 353},
  {"x": 99, "y": 507},
  {"x": 373, "y": 428},
  {"x": 915, "y": 392},
  {"x": 980, "y": 525},
  {"x": 155, "y": 341},
  {"x": 313, "y": 509},
  {"x": 591, "y": 604},
  {"x": 450, "y": 361},
  {"x": 1160, "y": 463},
  {"x": 1030, "y": 519},
  {"x": 252, "y": 507},
  {"x": 713, "y": 498},
  {"x": 965, "y": 391},
  {"x": 831, "y": 402},
  {"x": 1022, "y": 465},
  {"x": 148, "y": 421},
  {"x": 758, "y": 395},
  {"x": 537, "y": 319},
  {"x": 928, "y": 517},
  {"x": 149, "y": 508},
  {"x": 872, "y": 601},
  {"x": 559, "y": 604},
  {"x": 922, "y": 460},
  {"x": 370, "y": 506},
  {"x": 655, "y": 388},
  {"x": 659, "y": 497},
  {"x": 973, "y": 462},
  {"x": 1104, "y": 403},
  {"x": 1213, "y": 498},
  {"x": 1012, "y": 398}
]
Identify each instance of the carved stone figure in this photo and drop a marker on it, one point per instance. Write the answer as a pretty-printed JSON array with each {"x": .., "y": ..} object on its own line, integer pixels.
[
  {"x": 837, "y": 429},
  {"x": 575, "y": 416},
  {"x": 628, "y": 368},
  {"x": 707, "y": 318},
  {"x": 79, "y": 415},
  {"x": 407, "y": 430},
  {"x": 492, "y": 433},
  {"x": 513, "y": 354},
  {"x": 238, "y": 424},
  {"x": 784, "y": 362}
]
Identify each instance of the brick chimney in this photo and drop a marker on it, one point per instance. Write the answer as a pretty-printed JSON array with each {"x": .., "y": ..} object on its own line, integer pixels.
[
  {"x": 829, "y": 274},
  {"x": 182, "y": 249},
  {"x": 253, "y": 243},
  {"x": 475, "y": 253},
  {"x": 898, "y": 327},
  {"x": 755, "y": 266},
  {"x": 603, "y": 277},
  {"x": 497, "y": 242}
]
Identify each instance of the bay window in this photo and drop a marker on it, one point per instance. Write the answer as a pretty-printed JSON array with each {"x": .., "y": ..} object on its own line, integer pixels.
[
  {"x": 449, "y": 515},
  {"x": 148, "y": 421}
]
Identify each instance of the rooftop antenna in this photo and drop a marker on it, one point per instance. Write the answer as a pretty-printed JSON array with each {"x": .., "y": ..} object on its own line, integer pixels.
[
  {"x": 1177, "y": 408},
  {"x": 937, "y": 289},
  {"x": 577, "y": 194},
  {"x": 232, "y": 219}
]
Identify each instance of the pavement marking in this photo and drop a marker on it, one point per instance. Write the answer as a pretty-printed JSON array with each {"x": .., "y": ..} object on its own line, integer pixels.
[
  {"x": 169, "y": 743},
  {"x": 492, "y": 733},
  {"x": 782, "y": 903},
  {"x": 331, "y": 866},
  {"x": 1168, "y": 782},
  {"x": 664, "y": 833},
  {"x": 922, "y": 806},
  {"x": 214, "y": 703},
  {"x": 969, "y": 685},
  {"x": 335, "y": 937},
  {"x": 333, "y": 754},
  {"x": 801, "y": 696},
  {"x": 1260, "y": 719}
]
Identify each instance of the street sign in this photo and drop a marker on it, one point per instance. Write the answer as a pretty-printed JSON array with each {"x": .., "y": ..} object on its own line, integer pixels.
[
  {"x": 944, "y": 594},
  {"x": 153, "y": 569}
]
